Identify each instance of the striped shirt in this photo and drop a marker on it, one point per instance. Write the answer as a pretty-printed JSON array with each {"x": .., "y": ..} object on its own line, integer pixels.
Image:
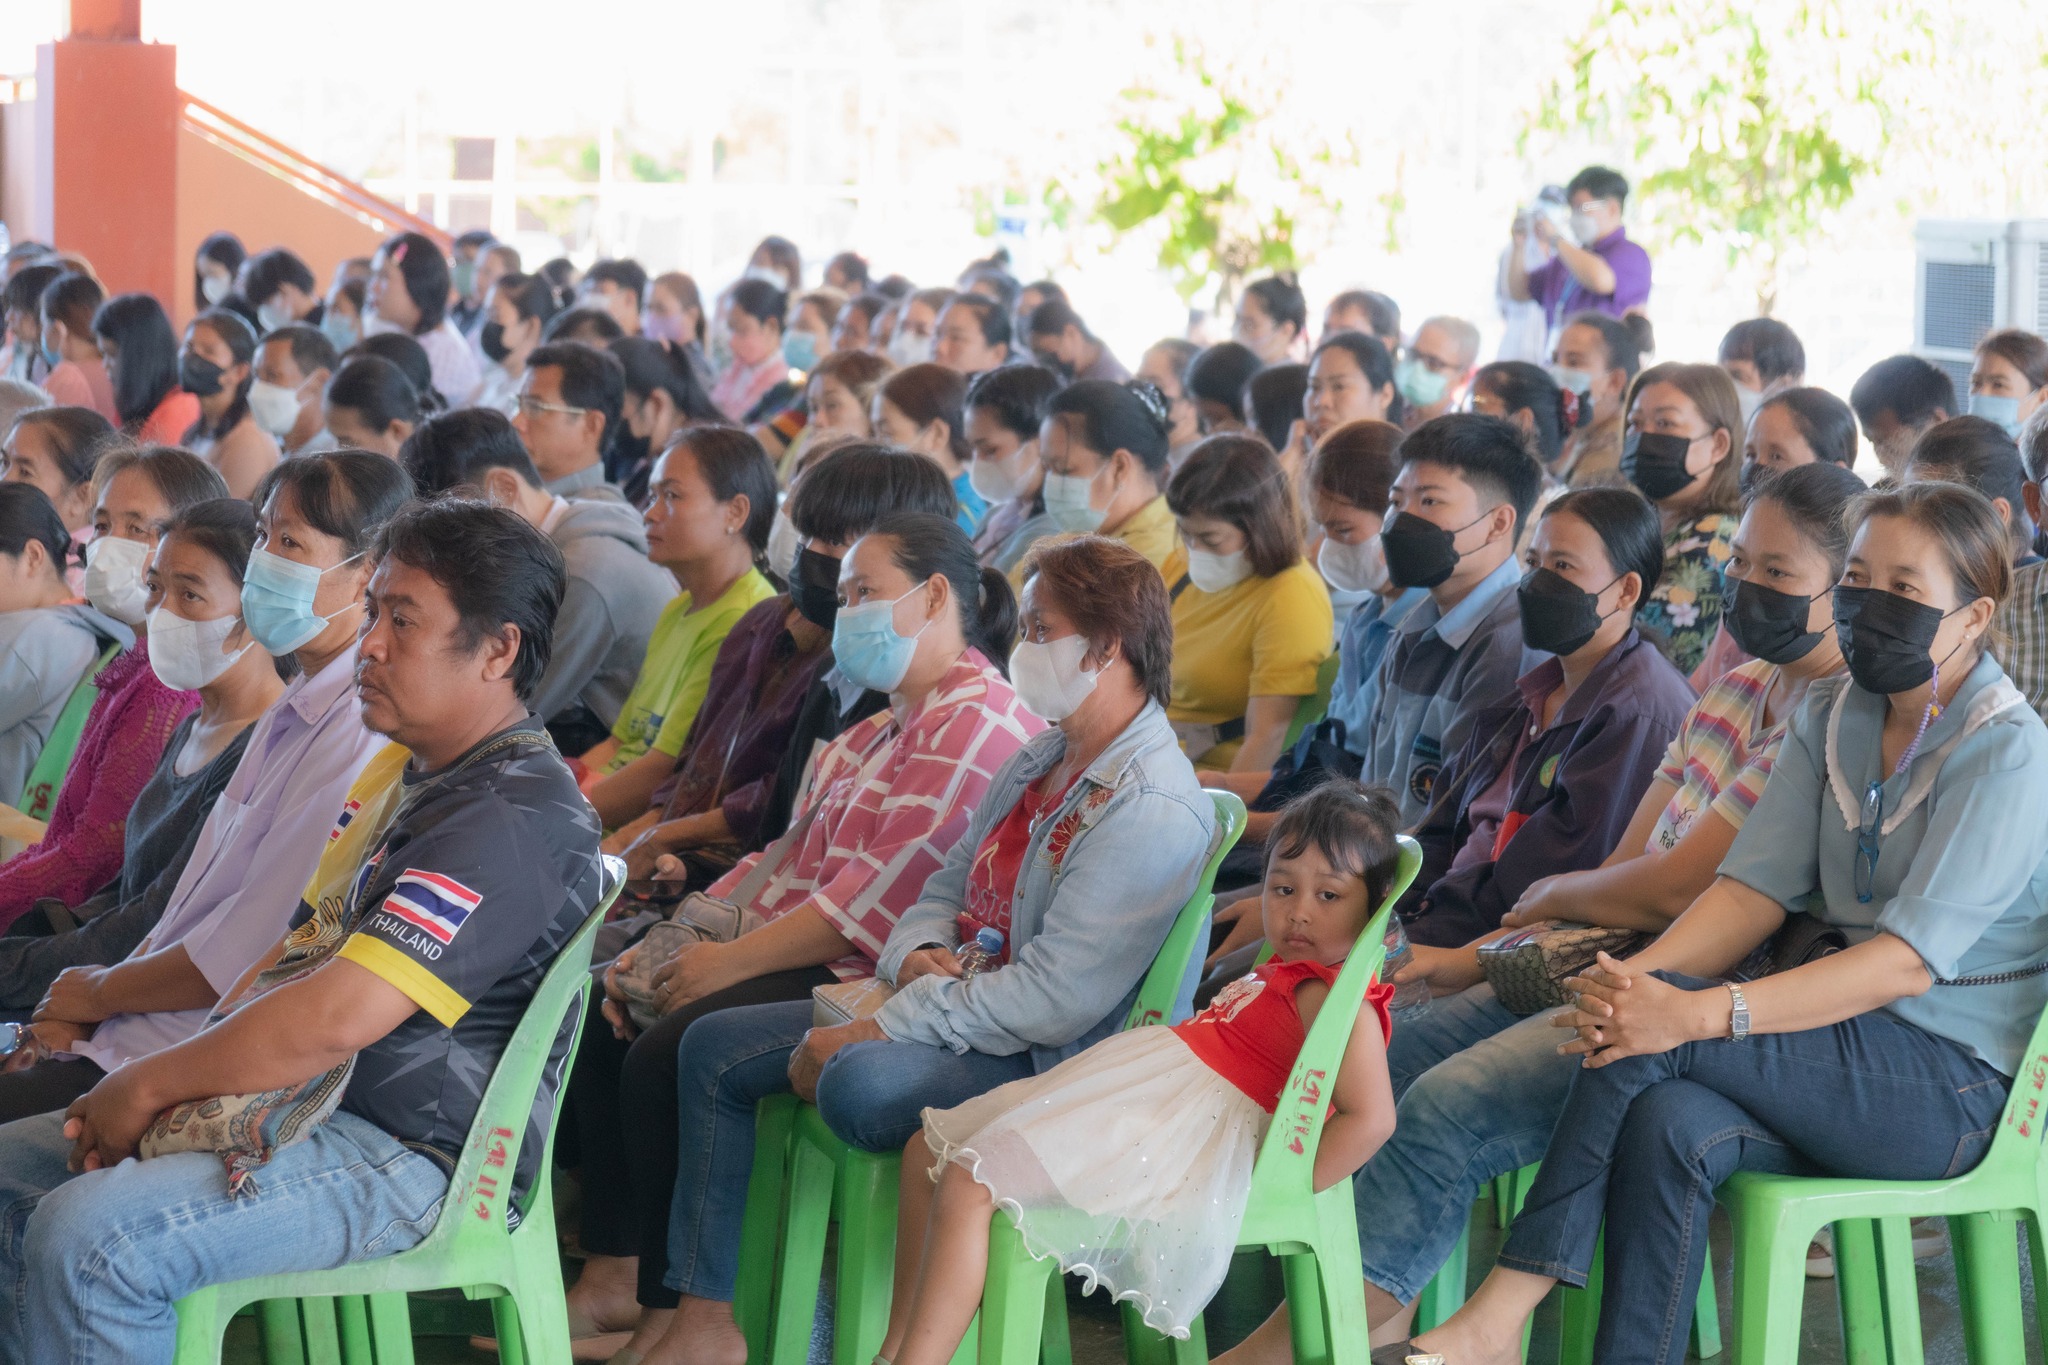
[
  {"x": 2023, "y": 619},
  {"x": 1721, "y": 755},
  {"x": 888, "y": 799}
]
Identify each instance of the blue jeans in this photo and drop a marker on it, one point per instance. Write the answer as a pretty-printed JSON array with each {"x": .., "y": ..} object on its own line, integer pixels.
[
  {"x": 730, "y": 1061},
  {"x": 1479, "y": 1089},
  {"x": 93, "y": 1263},
  {"x": 1645, "y": 1142}
]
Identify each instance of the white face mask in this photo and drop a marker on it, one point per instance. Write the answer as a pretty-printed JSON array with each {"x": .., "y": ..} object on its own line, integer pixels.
[
  {"x": 274, "y": 315},
  {"x": 113, "y": 577},
  {"x": 1585, "y": 230},
  {"x": 1067, "y": 503},
  {"x": 1049, "y": 678},
  {"x": 1217, "y": 573},
  {"x": 770, "y": 274},
  {"x": 275, "y": 407},
  {"x": 1750, "y": 400},
  {"x": 1001, "y": 480},
  {"x": 782, "y": 546},
  {"x": 214, "y": 288},
  {"x": 187, "y": 655},
  {"x": 908, "y": 348},
  {"x": 1353, "y": 568}
]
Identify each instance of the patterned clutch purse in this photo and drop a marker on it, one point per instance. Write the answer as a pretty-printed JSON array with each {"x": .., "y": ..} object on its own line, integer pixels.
[{"x": 1527, "y": 969}]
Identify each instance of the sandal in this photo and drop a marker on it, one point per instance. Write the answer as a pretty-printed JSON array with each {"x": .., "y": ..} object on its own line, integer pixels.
[{"x": 1404, "y": 1353}]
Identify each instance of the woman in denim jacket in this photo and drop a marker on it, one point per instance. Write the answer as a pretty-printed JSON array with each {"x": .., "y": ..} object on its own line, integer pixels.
[{"x": 1091, "y": 838}]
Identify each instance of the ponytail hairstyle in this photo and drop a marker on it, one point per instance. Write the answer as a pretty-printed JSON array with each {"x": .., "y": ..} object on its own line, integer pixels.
[
  {"x": 376, "y": 388},
  {"x": 1628, "y": 527},
  {"x": 925, "y": 546},
  {"x": 1555, "y": 412},
  {"x": 1625, "y": 344},
  {"x": 27, "y": 514},
  {"x": 1824, "y": 421},
  {"x": 77, "y": 436},
  {"x": 411, "y": 359},
  {"x": 425, "y": 272},
  {"x": 662, "y": 366},
  {"x": 1354, "y": 827},
  {"x": 240, "y": 338},
  {"x": 533, "y": 297},
  {"x": 1373, "y": 362},
  {"x": 732, "y": 463},
  {"x": 1107, "y": 417}
]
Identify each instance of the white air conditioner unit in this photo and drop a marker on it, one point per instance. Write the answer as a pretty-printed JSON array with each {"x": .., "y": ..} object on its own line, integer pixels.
[{"x": 1973, "y": 276}]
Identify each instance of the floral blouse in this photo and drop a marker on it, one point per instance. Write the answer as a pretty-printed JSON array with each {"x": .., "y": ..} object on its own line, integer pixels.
[{"x": 1685, "y": 609}]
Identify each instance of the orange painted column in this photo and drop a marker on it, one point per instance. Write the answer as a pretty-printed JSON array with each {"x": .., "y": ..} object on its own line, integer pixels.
[{"x": 107, "y": 115}]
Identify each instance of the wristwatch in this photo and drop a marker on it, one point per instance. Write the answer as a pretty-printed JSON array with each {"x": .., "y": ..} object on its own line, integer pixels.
[{"x": 1738, "y": 1019}]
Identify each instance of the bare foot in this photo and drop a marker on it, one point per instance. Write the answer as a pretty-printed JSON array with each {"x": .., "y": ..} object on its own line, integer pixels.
[
  {"x": 702, "y": 1332},
  {"x": 604, "y": 1297},
  {"x": 653, "y": 1326}
]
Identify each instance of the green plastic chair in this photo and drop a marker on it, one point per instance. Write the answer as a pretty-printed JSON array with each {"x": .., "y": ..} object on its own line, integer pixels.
[
  {"x": 1776, "y": 1217},
  {"x": 1312, "y": 708},
  {"x": 46, "y": 779},
  {"x": 805, "y": 1178},
  {"x": 518, "y": 1269},
  {"x": 1315, "y": 1234}
]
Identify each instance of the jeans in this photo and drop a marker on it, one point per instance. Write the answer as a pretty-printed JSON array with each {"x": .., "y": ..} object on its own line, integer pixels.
[
  {"x": 1479, "y": 1089},
  {"x": 873, "y": 1095},
  {"x": 1644, "y": 1143},
  {"x": 91, "y": 1264}
]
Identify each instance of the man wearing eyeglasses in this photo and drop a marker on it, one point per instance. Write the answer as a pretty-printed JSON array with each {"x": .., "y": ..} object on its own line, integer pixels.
[
  {"x": 1596, "y": 267},
  {"x": 569, "y": 405},
  {"x": 1433, "y": 375}
]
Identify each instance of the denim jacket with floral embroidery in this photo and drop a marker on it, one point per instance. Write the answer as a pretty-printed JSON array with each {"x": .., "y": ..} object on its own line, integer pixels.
[{"x": 1098, "y": 889}]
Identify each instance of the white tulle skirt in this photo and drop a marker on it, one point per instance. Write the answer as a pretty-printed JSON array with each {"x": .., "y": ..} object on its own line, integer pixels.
[{"x": 1129, "y": 1163}]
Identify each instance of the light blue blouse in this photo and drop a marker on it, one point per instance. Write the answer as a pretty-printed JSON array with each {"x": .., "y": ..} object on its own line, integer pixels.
[{"x": 1962, "y": 864}]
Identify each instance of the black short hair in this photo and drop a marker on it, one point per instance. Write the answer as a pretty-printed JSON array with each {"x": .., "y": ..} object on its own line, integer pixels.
[
  {"x": 1486, "y": 452},
  {"x": 532, "y": 296},
  {"x": 1814, "y": 497},
  {"x": 72, "y": 299},
  {"x": 346, "y": 494},
  {"x": 647, "y": 366},
  {"x": 1274, "y": 396},
  {"x": 223, "y": 527},
  {"x": 1053, "y": 317},
  {"x": 1015, "y": 395},
  {"x": 147, "y": 369},
  {"x": 1976, "y": 453},
  {"x": 1002, "y": 281},
  {"x": 411, "y": 359},
  {"x": 1523, "y": 387},
  {"x": 760, "y": 301},
  {"x": 1353, "y": 826},
  {"x": 589, "y": 323},
  {"x": 1824, "y": 422},
  {"x": 454, "y": 449},
  {"x": 1601, "y": 183},
  {"x": 993, "y": 318},
  {"x": 1374, "y": 361},
  {"x": 26, "y": 514},
  {"x": 1115, "y": 417},
  {"x": 1282, "y": 299},
  {"x": 1219, "y": 374},
  {"x": 476, "y": 239},
  {"x": 425, "y": 272},
  {"x": 311, "y": 350},
  {"x": 25, "y": 291},
  {"x": 852, "y": 267},
  {"x": 269, "y": 271},
  {"x": 1769, "y": 345},
  {"x": 1624, "y": 345},
  {"x": 853, "y": 489},
  {"x": 376, "y": 388},
  {"x": 497, "y": 570},
  {"x": 1628, "y": 529},
  {"x": 79, "y": 437},
  {"x": 1382, "y": 314},
  {"x": 627, "y": 273},
  {"x": 1907, "y": 387},
  {"x": 591, "y": 379}
]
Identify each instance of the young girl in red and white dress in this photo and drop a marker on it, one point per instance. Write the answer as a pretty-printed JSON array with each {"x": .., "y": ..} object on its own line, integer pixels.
[{"x": 1131, "y": 1162}]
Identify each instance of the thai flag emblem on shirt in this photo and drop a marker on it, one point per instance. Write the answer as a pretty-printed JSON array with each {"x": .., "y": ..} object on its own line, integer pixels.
[
  {"x": 348, "y": 815},
  {"x": 431, "y": 902}
]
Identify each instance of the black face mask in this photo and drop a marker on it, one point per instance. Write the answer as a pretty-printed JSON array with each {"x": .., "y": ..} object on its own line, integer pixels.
[
  {"x": 1558, "y": 616},
  {"x": 1768, "y": 624},
  {"x": 1655, "y": 462},
  {"x": 1886, "y": 639},
  {"x": 814, "y": 586},
  {"x": 1420, "y": 553},
  {"x": 492, "y": 341},
  {"x": 199, "y": 376}
]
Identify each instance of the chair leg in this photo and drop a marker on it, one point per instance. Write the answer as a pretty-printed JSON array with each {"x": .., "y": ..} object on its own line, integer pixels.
[
  {"x": 1055, "y": 1335},
  {"x": 1307, "y": 1315},
  {"x": 2037, "y": 1258},
  {"x": 1142, "y": 1345},
  {"x": 1900, "y": 1291},
  {"x": 539, "y": 1299},
  {"x": 1859, "y": 1292},
  {"x": 352, "y": 1317},
  {"x": 1988, "y": 1281},
  {"x": 1770, "y": 1291},
  {"x": 391, "y": 1328},
  {"x": 867, "y": 1256},
  {"x": 1579, "y": 1315},
  {"x": 1706, "y": 1315},
  {"x": 323, "y": 1339},
  {"x": 199, "y": 1328},
  {"x": 761, "y": 1225},
  {"x": 800, "y": 1264},
  {"x": 505, "y": 1321},
  {"x": 284, "y": 1340},
  {"x": 1013, "y": 1300}
]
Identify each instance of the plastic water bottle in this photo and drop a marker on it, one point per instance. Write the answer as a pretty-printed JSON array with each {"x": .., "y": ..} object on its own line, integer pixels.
[
  {"x": 1411, "y": 998},
  {"x": 977, "y": 954}
]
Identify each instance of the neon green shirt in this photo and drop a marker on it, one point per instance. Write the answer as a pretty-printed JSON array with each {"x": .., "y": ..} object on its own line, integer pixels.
[{"x": 663, "y": 703}]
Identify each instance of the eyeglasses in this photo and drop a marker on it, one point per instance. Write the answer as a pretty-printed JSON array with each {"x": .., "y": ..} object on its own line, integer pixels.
[
  {"x": 1866, "y": 842},
  {"x": 532, "y": 406}
]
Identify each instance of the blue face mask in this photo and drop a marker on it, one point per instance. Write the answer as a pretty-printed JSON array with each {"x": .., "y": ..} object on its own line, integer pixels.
[
  {"x": 1997, "y": 408},
  {"x": 339, "y": 330},
  {"x": 800, "y": 350},
  {"x": 277, "y": 601},
  {"x": 50, "y": 357},
  {"x": 867, "y": 648},
  {"x": 1418, "y": 383}
]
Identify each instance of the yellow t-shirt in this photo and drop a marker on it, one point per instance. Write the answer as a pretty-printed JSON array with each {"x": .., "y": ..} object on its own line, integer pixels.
[
  {"x": 364, "y": 814},
  {"x": 1264, "y": 637},
  {"x": 677, "y": 671},
  {"x": 1151, "y": 531}
]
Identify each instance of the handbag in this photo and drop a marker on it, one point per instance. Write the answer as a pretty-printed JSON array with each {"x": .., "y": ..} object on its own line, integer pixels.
[
  {"x": 1528, "y": 968},
  {"x": 1799, "y": 940}
]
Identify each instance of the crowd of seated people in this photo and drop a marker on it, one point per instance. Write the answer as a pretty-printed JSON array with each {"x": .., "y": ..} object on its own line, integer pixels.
[{"x": 904, "y": 651}]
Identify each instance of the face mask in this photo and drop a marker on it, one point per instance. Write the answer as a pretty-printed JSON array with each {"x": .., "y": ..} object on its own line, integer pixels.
[
  {"x": 1571, "y": 381},
  {"x": 814, "y": 584},
  {"x": 1584, "y": 230},
  {"x": 908, "y": 348},
  {"x": 1418, "y": 384},
  {"x": 1654, "y": 461},
  {"x": 768, "y": 273},
  {"x": 275, "y": 407},
  {"x": 277, "y": 601},
  {"x": 375, "y": 324},
  {"x": 1420, "y": 553},
  {"x": 1558, "y": 616},
  {"x": 274, "y": 315},
  {"x": 1997, "y": 408},
  {"x": 1886, "y": 638},
  {"x": 867, "y": 647},
  {"x": 1217, "y": 573},
  {"x": 339, "y": 330},
  {"x": 1049, "y": 678},
  {"x": 1768, "y": 624},
  {"x": 214, "y": 288},
  {"x": 113, "y": 577},
  {"x": 51, "y": 359},
  {"x": 782, "y": 546},
  {"x": 490, "y": 339},
  {"x": 1353, "y": 568},
  {"x": 199, "y": 376},
  {"x": 1066, "y": 502},
  {"x": 463, "y": 276},
  {"x": 662, "y": 327},
  {"x": 1749, "y": 400},
  {"x": 1000, "y": 480},
  {"x": 187, "y": 655},
  {"x": 799, "y": 350}
]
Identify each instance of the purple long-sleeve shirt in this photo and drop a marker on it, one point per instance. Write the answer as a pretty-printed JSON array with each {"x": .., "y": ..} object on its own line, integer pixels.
[{"x": 1555, "y": 287}]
